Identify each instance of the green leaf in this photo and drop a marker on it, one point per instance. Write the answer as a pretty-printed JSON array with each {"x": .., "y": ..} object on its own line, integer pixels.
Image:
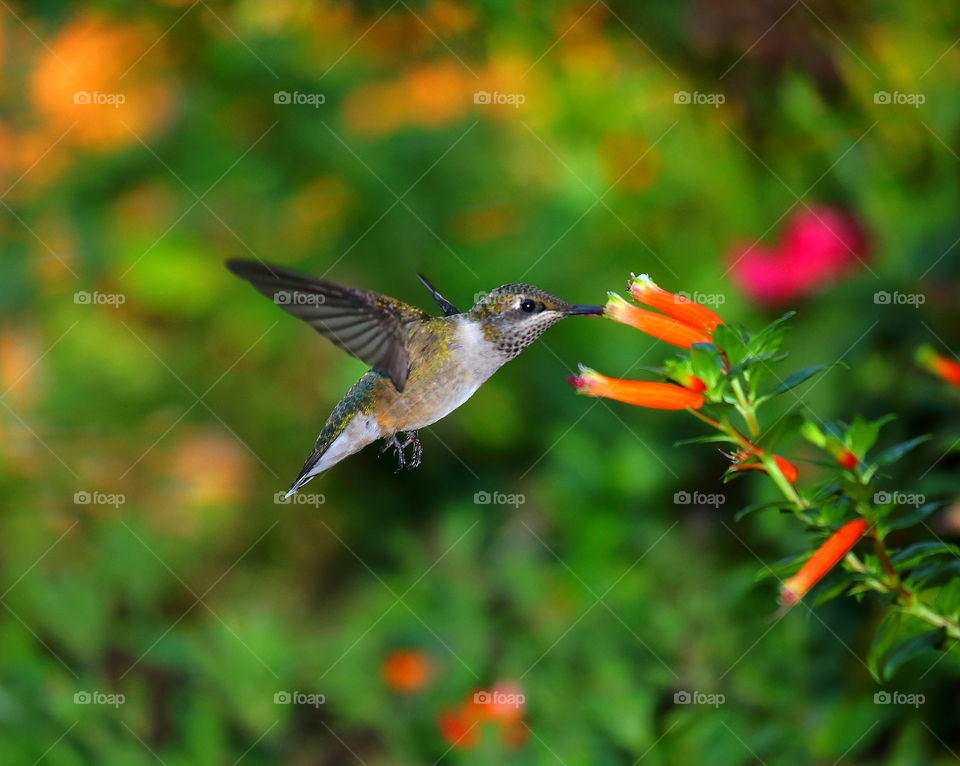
[
  {"x": 732, "y": 342},
  {"x": 704, "y": 440},
  {"x": 785, "y": 426},
  {"x": 897, "y": 451},
  {"x": 782, "y": 568},
  {"x": 912, "y": 647},
  {"x": 795, "y": 379},
  {"x": 914, "y": 554},
  {"x": 778, "y": 504},
  {"x": 831, "y": 593},
  {"x": 909, "y": 519},
  {"x": 705, "y": 363},
  {"x": 883, "y": 640},
  {"x": 933, "y": 575},
  {"x": 862, "y": 434},
  {"x": 752, "y": 361}
]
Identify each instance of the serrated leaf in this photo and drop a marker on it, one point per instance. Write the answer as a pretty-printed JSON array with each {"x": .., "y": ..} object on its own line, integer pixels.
[{"x": 914, "y": 554}]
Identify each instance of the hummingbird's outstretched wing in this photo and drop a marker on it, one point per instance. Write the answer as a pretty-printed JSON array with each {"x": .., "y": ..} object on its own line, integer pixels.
[
  {"x": 446, "y": 306},
  {"x": 365, "y": 324}
]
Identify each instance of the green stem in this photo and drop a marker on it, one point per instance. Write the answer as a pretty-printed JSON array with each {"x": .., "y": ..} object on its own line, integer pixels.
[{"x": 746, "y": 408}]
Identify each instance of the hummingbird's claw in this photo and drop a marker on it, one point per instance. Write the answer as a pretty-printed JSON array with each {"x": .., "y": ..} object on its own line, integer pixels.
[
  {"x": 417, "y": 452},
  {"x": 400, "y": 447}
]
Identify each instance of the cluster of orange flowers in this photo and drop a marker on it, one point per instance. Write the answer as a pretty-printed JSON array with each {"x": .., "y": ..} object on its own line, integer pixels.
[
  {"x": 409, "y": 670},
  {"x": 683, "y": 322}
]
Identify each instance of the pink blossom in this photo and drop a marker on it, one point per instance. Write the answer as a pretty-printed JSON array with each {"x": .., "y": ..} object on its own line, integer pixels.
[{"x": 818, "y": 245}]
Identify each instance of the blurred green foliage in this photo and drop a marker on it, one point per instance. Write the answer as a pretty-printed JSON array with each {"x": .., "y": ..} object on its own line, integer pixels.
[{"x": 199, "y": 597}]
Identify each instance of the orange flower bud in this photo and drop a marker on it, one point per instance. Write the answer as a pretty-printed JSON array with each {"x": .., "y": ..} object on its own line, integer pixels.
[
  {"x": 822, "y": 561},
  {"x": 657, "y": 325},
  {"x": 645, "y": 290},
  {"x": 406, "y": 670},
  {"x": 788, "y": 469},
  {"x": 846, "y": 458},
  {"x": 661, "y": 396}
]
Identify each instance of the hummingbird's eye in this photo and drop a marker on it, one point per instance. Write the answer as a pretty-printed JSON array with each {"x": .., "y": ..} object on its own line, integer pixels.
[{"x": 528, "y": 306}]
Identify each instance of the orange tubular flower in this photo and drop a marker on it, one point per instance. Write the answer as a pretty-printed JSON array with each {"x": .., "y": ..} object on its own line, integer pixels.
[
  {"x": 939, "y": 365},
  {"x": 788, "y": 469},
  {"x": 822, "y": 561},
  {"x": 659, "y": 326},
  {"x": 645, "y": 290},
  {"x": 661, "y": 396}
]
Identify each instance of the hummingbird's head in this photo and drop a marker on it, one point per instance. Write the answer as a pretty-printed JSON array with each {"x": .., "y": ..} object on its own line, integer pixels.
[{"x": 514, "y": 316}]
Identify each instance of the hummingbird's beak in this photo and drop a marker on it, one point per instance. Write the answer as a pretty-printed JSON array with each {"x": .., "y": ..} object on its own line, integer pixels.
[{"x": 582, "y": 310}]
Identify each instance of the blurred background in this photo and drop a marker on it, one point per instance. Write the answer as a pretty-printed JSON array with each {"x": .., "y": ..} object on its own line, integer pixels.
[{"x": 161, "y": 604}]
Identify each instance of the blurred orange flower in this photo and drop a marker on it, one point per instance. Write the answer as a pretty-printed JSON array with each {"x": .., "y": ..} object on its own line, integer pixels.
[
  {"x": 406, "y": 670},
  {"x": 944, "y": 368},
  {"x": 501, "y": 705},
  {"x": 92, "y": 78}
]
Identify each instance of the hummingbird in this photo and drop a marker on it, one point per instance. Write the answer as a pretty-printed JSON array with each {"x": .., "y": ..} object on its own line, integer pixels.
[{"x": 422, "y": 367}]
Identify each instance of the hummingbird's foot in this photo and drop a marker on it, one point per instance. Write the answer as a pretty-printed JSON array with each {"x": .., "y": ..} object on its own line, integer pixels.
[
  {"x": 394, "y": 443},
  {"x": 417, "y": 452},
  {"x": 399, "y": 447}
]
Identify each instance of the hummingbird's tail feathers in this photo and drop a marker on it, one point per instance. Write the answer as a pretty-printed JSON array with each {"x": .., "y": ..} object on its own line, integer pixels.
[
  {"x": 365, "y": 324},
  {"x": 348, "y": 429}
]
